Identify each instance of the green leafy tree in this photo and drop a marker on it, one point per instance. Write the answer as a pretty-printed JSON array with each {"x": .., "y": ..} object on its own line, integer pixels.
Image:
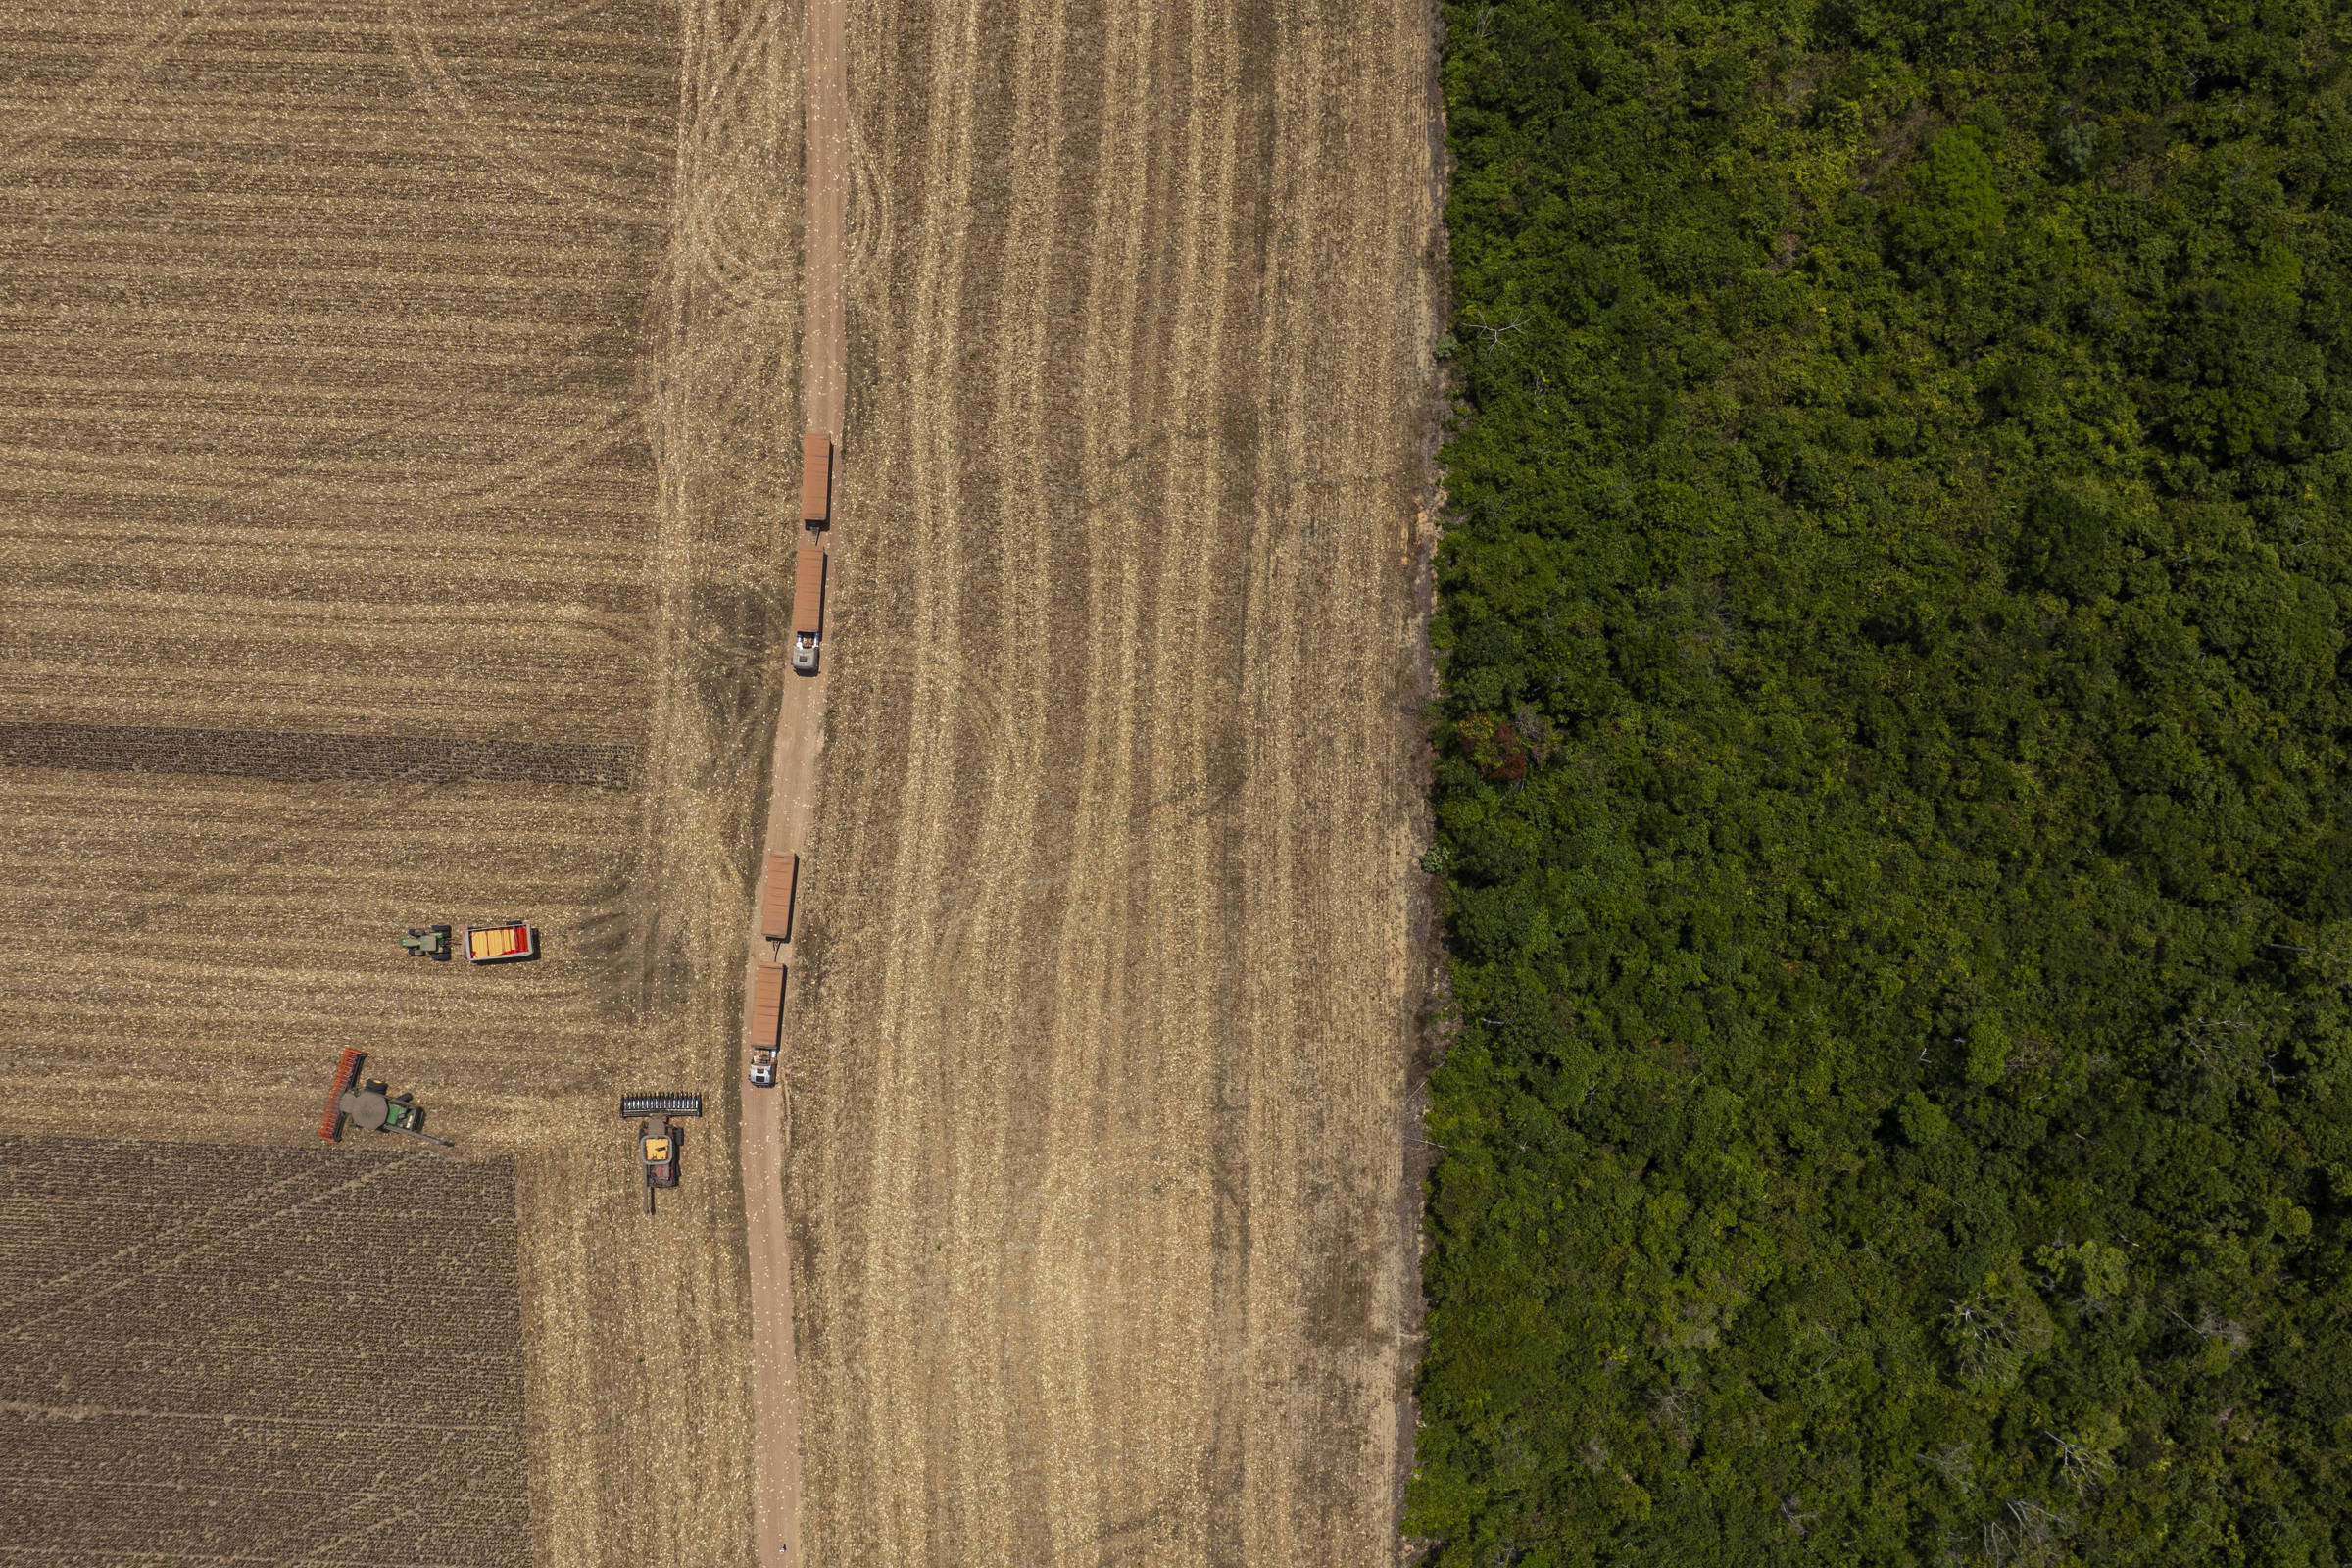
[{"x": 1893, "y": 793}]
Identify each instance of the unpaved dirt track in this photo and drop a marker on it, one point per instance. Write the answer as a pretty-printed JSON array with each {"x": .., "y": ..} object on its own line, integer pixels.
[
  {"x": 791, "y": 816},
  {"x": 1104, "y": 1251},
  {"x": 389, "y": 399}
]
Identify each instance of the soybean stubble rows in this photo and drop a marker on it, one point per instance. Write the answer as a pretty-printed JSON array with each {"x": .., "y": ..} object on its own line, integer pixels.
[{"x": 384, "y": 507}]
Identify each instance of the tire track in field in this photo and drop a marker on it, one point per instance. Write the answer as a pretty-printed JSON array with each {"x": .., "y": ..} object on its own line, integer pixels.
[
  {"x": 744, "y": 273},
  {"x": 20, "y": 1328},
  {"x": 999, "y": 1120},
  {"x": 622, "y": 201},
  {"x": 1073, "y": 1334},
  {"x": 1072, "y": 1178},
  {"x": 903, "y": 1162},
  {"x": 114, "y": 77}
]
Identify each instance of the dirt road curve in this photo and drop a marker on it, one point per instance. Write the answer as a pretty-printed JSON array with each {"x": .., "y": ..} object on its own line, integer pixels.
[
  {"x": 800, "y": 732},
  {"x": 1103, "y": 1241}
]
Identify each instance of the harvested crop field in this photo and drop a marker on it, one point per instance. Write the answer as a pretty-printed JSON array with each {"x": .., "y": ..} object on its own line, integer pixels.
[
  {"x": 1106, "y": 1235},
  {"x": 216, "y": 1353},
  {"x": 388, "y": 490}
]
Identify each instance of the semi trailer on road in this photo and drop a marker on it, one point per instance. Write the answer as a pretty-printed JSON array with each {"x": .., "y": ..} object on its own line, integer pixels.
[
  {"x": 763, "y": 1022},
  {"x": 808, "y": 608},
  {"x": 775, "y": 899},
  {"x": 817, "y": 479}
]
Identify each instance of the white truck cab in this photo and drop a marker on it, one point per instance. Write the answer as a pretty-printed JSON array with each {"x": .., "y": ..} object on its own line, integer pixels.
[{"x": 808, "y": 608}]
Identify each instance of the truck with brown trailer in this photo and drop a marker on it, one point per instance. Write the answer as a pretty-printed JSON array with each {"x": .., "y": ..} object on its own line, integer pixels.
[
  {"x": 817, "y": 479},
  {"x": 763, "y": 1022},
  {"x": 808, "y": 608}
]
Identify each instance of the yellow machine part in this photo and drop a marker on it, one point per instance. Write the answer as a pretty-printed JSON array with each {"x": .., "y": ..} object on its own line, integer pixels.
[
  {"x": 656, "y": 1149},
  {"x": 495, "y": 942}
]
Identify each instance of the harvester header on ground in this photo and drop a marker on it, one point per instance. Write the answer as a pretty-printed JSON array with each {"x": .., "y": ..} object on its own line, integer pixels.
[{"x": 660, "y": 1105}]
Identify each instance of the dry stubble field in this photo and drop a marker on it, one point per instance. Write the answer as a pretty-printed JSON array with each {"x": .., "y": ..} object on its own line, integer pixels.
[
  {"x": 389, "y": 413},
  {"x": 1105, "y": 1243}
]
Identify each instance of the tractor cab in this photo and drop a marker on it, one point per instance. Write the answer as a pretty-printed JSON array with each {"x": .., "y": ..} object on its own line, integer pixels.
[{"x": 428, "y": 941}]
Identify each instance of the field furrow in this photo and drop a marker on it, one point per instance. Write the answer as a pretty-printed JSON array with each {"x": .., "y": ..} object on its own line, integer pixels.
[{"x": 1110, "y": 956}]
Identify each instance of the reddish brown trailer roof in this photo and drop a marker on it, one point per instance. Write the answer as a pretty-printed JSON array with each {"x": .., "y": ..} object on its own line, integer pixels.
[
  {"x": 809, "y": 592},
  {"x": 764, "y": 1017},
  {"x": 776, "y": 904},
  {"x": 817, "y": 479}
]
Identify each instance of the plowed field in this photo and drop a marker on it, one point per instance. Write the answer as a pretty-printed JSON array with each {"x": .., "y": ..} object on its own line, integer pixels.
[
  {"x": 1106, "y": 1247},
  {"x": 394, "y": 416},
  {"x": 221, "y": 1355}
]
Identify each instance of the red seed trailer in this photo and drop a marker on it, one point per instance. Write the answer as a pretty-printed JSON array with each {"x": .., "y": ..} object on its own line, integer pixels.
[{"x": 508, "y": 941}]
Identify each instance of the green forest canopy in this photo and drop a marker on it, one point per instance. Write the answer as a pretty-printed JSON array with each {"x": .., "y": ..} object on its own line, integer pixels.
[{"x": 1892, "y": 788}]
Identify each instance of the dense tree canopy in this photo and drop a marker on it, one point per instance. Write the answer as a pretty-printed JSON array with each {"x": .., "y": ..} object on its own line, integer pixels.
[{"x": 1894, "y": 787}]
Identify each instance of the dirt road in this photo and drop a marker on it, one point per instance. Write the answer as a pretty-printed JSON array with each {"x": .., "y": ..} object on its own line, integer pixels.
[
  {"x": 792, "y": 804},
  {"x": 1103, "y": 1243}
]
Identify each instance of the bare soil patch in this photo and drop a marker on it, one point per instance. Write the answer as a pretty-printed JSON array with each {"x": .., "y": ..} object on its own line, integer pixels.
[{"x": 223, "y": 1352}]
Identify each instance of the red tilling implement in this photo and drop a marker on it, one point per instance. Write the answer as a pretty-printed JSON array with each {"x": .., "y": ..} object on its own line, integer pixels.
[{"x": 347, "y": 1073}]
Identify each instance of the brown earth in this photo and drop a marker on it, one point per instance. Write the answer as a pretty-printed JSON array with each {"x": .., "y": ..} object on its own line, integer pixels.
[
  {"x": 216, "y": 1353},
  {"x": 1105, "y": 1246},
  {"x": 393, "y": 484}
]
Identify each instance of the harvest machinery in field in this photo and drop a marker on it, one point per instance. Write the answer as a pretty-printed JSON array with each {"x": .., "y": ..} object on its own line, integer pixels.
[
  {"x": 428, "y": 941},
  {"x": 657, "y": 1140},
  {"x": 508, "y": 941},
  {"x": 369, "y": 1105}
]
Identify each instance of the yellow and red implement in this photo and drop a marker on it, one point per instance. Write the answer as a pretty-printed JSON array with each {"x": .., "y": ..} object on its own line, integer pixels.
[{"x": 500, "y": 944}]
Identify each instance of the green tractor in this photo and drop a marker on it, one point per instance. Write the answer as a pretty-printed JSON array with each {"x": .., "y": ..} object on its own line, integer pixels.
[
  {"x": 373, "y": 1106},
  {"x": 429, "y": 942}
]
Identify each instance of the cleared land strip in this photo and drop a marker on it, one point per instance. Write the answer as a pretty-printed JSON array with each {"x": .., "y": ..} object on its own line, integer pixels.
[
  {"x": 295, "y": 756},
  {"x": 1104, "y": 1236}
]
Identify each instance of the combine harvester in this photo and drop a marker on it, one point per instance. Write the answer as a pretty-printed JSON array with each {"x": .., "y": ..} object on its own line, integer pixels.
[
  {"x": 657, "y": 1147},
  {"x": 369, "y": 1105}
]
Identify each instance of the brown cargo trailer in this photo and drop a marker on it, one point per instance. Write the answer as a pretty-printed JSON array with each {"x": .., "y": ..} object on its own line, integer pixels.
[
  {"x": 808, "y": 608},
  {"x": 817, "y": 479},
  {"x": 776, "y": 904},
  {"x": 763, "y": 1015}
]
